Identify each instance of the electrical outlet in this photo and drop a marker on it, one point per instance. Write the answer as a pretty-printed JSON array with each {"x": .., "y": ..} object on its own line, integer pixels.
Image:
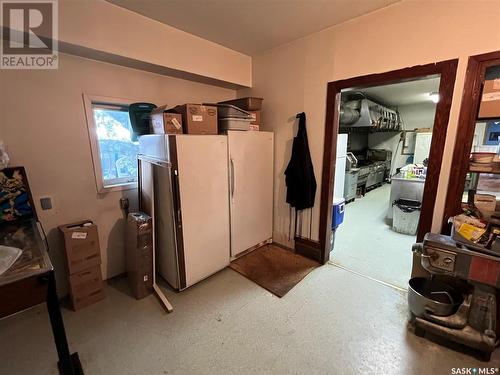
[
  {"x": 124, "y": 203},
  {"x": 46, "y": 203}
]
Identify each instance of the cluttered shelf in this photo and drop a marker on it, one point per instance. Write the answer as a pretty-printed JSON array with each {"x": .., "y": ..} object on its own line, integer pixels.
[{"x": 493, "y": 168}]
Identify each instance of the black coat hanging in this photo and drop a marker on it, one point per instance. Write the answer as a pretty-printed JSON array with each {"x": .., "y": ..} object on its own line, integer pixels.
[{"x": 299, "y": 174}]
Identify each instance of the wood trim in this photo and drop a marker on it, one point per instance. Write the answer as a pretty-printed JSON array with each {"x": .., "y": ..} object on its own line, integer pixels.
[
  {"x": 469, "y": 109},
  {"x": 439, "y": 131},
  {"x": 328, "y": 174},
  {"x": 307, "y": 247},
  {"x": 487, "y": 57},
  {"x": 447, "y": 70}
]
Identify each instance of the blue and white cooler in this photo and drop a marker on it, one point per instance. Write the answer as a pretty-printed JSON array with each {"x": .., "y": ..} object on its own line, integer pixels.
[
  {"x": 338, "y": 209},
  {"x": 338, "y": 212}
]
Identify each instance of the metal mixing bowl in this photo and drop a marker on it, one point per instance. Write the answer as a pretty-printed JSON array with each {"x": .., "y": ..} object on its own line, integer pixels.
[{"x": 430, "y": 296}]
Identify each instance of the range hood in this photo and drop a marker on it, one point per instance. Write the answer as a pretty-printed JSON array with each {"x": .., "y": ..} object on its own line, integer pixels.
[{"x": 365, "y": 113}]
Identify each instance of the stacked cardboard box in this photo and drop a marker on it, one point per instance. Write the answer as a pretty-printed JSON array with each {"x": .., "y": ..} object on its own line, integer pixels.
[
  {"x": 163, "y": 122},
  {"x": 255, "y": 124},
  {"x": 252, "y": 105},
  {"x": 197, "y": 118},
  {"x": 83, "y": 259},
  {"x": 140, "y": 254},
  {"x": 490, "y": 100},
  {"x": 184, "y": 119}
]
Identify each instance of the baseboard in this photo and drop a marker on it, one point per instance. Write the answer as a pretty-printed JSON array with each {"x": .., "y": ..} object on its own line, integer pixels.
[{"x": 308, "y": 248}]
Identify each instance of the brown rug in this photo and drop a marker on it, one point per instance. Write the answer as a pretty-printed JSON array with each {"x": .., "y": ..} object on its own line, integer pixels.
[{"x": 274, "y": 268}]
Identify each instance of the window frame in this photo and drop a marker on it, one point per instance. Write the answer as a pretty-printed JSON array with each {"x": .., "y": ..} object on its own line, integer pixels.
[{"x": 89, "y": 101}]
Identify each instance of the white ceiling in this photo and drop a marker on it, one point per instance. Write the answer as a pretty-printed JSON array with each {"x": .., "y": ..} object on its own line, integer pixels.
[
  {"x": 403, "y": 93},
  {"x": 252, "y": 26}
]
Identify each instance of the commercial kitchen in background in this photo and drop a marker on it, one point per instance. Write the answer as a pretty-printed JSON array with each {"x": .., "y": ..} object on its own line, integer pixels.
[{"x": 383, "y": 147}]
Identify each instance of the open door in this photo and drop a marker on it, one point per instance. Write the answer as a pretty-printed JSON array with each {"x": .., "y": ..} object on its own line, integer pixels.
[
  {"x": 146, "y": 205},
  {"x": 447, "y": 72}
]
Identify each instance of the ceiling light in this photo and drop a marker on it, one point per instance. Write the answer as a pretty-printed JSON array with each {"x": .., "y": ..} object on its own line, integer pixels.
[{"x": 434, "y": 96}]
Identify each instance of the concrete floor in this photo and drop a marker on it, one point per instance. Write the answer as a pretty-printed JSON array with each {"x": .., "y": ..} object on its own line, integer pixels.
[
  {"x": 365, "y": 242},
  {"x": 333, "y": 322}
]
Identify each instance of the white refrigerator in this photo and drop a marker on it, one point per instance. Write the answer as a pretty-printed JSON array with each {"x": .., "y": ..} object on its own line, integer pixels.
[
  {"x": 190, "y": 196},
  {"x": 340, "y": 164},
  {"x": 251, "y": 179},
  {"x": 211, "y": 197},
  {"x": 422, "y": 147}
]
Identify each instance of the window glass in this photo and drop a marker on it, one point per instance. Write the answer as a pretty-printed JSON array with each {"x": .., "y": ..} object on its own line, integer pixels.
[{"x": 117, "y": 151}]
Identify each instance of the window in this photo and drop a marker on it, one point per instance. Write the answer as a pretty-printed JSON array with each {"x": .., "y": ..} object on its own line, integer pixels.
[{"x": 114, "y": 152}]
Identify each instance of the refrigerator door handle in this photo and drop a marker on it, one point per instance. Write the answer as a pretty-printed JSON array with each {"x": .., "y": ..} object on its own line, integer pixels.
[
  {"x": 232, "y": 179},
  {"x": 176, "y": 198}
]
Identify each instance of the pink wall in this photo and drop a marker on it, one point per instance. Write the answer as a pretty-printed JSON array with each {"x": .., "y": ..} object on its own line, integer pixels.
[
  {"x": 44, "y": 129},
  {"x": 293, "y": 77},
  {"x": 98, "y": 28}
]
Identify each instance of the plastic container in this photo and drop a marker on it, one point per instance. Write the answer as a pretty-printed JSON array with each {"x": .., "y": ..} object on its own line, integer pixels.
[
  {"x": 338, "y": 212},
  {"x": 248, "y": 104},
  {"x": 234, "y": 123},
  {"x": 230, "y": 111},
  {"x": 405, "y": 216},
  {"x": 140, "y": 117}
]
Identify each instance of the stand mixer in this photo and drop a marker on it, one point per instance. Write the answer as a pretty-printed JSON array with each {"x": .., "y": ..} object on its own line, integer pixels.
[{"x": 458, "y": 300}]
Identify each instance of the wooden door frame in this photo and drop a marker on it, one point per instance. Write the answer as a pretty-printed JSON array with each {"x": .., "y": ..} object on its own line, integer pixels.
[
  {"x": 447, "y": 71},
  {"x": 469, "y": 109}
]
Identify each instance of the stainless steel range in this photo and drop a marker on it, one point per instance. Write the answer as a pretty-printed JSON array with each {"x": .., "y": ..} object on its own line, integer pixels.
[
  {"x": 375, "y": 166},
  {"x": 376, "y": 174}
]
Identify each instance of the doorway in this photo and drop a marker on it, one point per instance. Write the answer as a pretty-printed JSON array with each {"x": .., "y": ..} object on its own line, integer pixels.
[
  {"x": 382, "y": 155},
  {"x": 383, "y": 148}
]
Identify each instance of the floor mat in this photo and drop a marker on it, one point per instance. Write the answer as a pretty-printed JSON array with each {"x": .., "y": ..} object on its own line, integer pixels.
[{"x": 274, "y": 268}]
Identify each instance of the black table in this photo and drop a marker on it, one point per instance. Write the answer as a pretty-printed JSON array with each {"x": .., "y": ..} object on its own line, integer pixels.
[{"x": 31, "y": 281}]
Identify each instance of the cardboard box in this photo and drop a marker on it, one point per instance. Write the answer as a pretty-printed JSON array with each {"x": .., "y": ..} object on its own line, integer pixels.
[
  {"x": 247, "y": 104},
  {"x": 81, "y": 242},
  {"x": 255, "y": 124},
  {"x": 163, "y": 122},
  {"x": 485, "y": 202},
  {"x": 86, "y": 287},
  {"x": 255, "y": 117},
  {"x": 197, "y": 118},
  {"x": 139, "y": 257},
  {"x": 490, "y": 100}
]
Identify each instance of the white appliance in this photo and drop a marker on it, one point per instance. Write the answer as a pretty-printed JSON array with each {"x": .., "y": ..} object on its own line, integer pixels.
[
  {"x": 422, "y": 147},
  {"x": 340, "y": 164},
  {"x": 191, "y": 204},
  {"x": 251, "y": 189}
]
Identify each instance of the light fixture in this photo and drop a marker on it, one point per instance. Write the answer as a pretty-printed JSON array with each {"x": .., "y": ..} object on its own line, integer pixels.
[{"x": 434, "y": 97}]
